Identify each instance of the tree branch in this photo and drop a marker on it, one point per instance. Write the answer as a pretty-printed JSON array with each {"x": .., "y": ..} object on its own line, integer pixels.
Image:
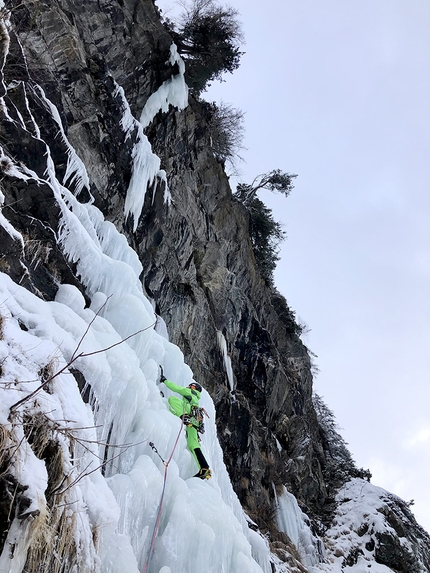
[{"x": 73, "y": 359}]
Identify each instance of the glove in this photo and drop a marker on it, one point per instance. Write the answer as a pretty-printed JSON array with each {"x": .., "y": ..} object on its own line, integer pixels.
[{"x": 162, "y": 378}]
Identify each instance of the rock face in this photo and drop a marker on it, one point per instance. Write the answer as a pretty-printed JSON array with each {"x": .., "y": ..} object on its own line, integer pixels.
[
  {"x": 97, "y": 61},
  {"x": 199, "y": 269}
]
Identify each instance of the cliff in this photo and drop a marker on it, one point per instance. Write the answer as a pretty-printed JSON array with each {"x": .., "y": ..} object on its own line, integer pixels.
[{"x": 96, "y": 117}]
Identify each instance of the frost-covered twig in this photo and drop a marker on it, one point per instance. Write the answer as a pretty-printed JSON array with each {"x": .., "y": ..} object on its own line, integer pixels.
[
  {"x": 81, "y": 441},
  {"x": 88, "y": 327},
  {"x": 84, "y": 472},
  {"x": 75, "y": 357}
]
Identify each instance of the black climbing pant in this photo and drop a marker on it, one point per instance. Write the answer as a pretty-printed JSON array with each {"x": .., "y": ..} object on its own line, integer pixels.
[{"x": 201, "y": 458}]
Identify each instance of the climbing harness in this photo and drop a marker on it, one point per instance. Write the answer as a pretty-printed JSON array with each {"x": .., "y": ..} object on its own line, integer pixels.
[
  {"x": 160, "y": 505},
  {"x": 197, "y": 413}
]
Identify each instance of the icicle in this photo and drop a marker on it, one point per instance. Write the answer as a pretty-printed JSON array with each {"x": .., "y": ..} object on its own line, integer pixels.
[
  {"x": 293, "y": 522},
  {"x": 146, "y": 165},
  {"x": 227, "y": 360},
  {"x": 172, "y": 92},
  {"x": 75, "y": 171}
]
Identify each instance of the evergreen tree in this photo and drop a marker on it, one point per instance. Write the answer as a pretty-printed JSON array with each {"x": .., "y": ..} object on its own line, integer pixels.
[
  {"x": 266, "y": 233},
  {"x": 339, "y": 464},
  {"x": 266, "y": 236},
  {"x": 208, "y": 37},
  {"x": 275, "y": 180}
]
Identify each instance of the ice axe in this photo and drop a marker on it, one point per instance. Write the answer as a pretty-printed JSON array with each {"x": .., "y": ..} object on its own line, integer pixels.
[{"x": 162, "y": 378}]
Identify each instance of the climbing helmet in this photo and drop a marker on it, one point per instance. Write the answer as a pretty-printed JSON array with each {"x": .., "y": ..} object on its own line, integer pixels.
[{"x": 196, "y": 386}]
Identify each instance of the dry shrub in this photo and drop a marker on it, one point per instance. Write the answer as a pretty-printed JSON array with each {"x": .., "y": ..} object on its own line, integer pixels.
[
  {"x": 12, "y": 500},
  {"x": 36, "y": 250},
  {"x": 52, "y": 527},
  {"x": 287, "y": 552},
  {"x": 40, "y": 434},
  {"x": 5, "y": 163},
  {"x": 53, "y": 548},
  {"x": 1, "y": 324},
  {"x": 47, "y": 374}
]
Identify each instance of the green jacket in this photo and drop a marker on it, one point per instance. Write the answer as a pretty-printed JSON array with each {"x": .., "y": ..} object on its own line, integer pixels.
[{"x": 191, "y": 397}]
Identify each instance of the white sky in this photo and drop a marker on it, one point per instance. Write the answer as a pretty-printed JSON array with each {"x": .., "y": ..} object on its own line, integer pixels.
[{"x": 339, "y": 93}]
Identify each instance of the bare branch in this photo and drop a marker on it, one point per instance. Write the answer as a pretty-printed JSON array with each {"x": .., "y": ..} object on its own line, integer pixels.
[
  {"x": 75, "y": 357},
  {"x": 89, "y": 325}
]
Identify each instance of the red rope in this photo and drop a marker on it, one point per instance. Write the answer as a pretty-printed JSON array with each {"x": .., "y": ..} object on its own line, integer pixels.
[{"x": 160, "y": 505}]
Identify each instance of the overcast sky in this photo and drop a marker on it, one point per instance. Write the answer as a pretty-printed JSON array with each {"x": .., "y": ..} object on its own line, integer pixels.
[{"x": 338, "y": 92}]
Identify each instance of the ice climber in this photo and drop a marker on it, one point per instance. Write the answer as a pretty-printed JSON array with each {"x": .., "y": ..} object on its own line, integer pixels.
[{"x": 191, "y": 414}]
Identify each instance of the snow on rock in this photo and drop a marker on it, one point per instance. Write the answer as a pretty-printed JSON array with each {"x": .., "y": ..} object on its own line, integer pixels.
[
  {"x": 76, "y": 173},
  {"x": 360, "y": 523},
  {"x": 10, "y": 230},
  {"x": 4, "y": 47}
]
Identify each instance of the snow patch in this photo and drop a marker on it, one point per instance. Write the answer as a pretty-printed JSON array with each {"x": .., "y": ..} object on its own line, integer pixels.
[{"x": 357, "y": 519}]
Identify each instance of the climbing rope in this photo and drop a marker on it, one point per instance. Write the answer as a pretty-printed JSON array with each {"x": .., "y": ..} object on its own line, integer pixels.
[{"x": 160, "y": 505}]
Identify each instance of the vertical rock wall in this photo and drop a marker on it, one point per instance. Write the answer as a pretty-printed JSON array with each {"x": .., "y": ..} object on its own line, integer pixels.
[{"x": 200, "y": 270}]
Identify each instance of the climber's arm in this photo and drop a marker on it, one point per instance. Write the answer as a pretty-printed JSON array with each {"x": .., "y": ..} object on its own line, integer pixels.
[{"x": 183, "y": 391}]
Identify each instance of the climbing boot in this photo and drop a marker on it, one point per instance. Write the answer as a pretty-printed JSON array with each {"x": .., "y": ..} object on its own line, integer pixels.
[
  {"x": 201, "y": 428},
  {"x": 204, "y": 473}
]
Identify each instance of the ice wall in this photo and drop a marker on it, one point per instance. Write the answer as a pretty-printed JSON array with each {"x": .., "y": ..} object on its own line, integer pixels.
[{"x": 111, "y": 480}]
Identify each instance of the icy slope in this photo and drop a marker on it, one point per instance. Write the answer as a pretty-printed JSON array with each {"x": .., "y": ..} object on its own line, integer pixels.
[{"x": 199, "y": 519}]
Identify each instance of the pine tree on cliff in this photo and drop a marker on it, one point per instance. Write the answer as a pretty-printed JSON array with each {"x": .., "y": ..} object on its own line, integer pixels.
[
  {"x": 265, "y": 232},
  {"x": 208, "y": 37},
  {"x": 275, "y": 180}
]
